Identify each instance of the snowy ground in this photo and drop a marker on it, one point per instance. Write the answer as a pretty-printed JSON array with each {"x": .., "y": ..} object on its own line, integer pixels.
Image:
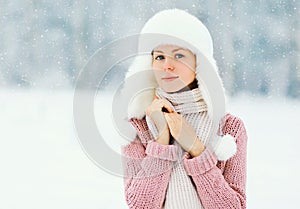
[{"x": 44, "y": 166}]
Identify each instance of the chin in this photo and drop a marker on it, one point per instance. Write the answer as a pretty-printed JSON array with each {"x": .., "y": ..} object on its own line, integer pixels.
[{"x": 171, "y": 88}]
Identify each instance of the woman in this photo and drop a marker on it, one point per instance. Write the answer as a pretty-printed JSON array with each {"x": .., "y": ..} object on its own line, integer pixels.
[{"x": 187, "y": 152}]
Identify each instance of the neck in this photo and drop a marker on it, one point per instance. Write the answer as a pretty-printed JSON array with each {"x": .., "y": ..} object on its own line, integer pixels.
[{"x": 191, "y": 86}]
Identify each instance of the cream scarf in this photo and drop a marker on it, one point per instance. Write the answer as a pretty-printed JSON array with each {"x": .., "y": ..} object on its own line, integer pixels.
[{"x": 181, "y": 192}]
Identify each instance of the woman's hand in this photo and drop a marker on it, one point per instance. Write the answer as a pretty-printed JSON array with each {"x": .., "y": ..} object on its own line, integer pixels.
[
  {"x": 155, "y": 113},
  {"x": 184, "y": 134}
]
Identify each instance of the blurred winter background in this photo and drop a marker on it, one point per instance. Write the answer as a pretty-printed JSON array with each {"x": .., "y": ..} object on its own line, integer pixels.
[{"x": 45, "y": 44}]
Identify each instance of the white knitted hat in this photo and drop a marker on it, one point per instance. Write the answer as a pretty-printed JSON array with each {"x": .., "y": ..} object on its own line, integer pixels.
[{"x": 175, "y": 27}]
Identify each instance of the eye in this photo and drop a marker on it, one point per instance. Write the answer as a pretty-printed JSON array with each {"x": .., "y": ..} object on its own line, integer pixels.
[
  {"x": 159, "y": 57},
  {"x": 178, "y": 56}
]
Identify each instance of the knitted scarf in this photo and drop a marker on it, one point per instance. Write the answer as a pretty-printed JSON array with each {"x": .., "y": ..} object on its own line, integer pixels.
[{"x": 181, "y": 192}]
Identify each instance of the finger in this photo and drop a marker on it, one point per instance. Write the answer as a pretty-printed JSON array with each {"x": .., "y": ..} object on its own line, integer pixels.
[
  {"x": 172, "y": 120},
  {"x": 169, "y": 120},
  {"x": 167, "y": 105},
  {"x": 175, "y": 117},
  {"x": 173, "y": 124},
  {"x": 157, "y": 104},
  {"x": 154, "y": 107},
  {"x": 167, "y": 117},
  {"x": 176, "y": 120}
]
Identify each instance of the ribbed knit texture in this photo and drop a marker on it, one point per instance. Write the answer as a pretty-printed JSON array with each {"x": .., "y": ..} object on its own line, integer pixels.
[
  {"x": 181, "y": 193},
  {"x": 192, "y": 107},
  {"x": 185, "y": 102},
  {"x": 148, "y": 169}
]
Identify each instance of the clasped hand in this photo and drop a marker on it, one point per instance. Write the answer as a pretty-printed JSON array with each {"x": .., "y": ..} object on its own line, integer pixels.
[{"x": 171, "y": 123}]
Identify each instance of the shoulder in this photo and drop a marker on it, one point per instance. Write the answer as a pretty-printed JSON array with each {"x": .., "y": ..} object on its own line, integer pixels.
[{"x": 233, "y": 125}]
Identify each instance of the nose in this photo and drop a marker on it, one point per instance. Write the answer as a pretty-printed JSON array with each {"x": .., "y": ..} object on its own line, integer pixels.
[{"x": 168, "y": 64}]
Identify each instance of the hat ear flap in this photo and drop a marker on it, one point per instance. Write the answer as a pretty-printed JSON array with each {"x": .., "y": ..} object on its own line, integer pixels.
[
  {"x": 140, "y": 63},
  {"x": 139, "y": 86},
  {"x": 139, "y": 104}
]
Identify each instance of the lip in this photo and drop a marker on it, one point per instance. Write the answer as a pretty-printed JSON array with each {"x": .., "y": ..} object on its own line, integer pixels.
[{"x": 169, "y": 78}]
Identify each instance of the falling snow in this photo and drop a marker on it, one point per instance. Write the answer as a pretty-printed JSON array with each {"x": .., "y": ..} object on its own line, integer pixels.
[
  {"x": 45, "y": 45},
  {"x": 255, "y": 37}
]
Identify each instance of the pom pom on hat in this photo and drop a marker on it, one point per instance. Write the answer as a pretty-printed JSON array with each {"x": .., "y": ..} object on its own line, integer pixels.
[{"x": 225, "y": 147}]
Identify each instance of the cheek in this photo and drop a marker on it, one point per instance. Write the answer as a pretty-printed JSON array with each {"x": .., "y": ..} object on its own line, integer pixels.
[
  {"x": 188, "y": 74},
  {"x": 156, "y": 65},
  {"x": 191, "y": 64},
  {"x": 157, "y": 69},
  {"x": 158, "y": 74}
]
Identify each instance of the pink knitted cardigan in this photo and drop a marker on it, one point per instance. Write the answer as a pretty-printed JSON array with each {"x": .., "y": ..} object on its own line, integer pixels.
[{"x": 148, "y": 166}]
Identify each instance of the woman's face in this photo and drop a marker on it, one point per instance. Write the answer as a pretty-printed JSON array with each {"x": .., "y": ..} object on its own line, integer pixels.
[{"x": 174, "y": 67}]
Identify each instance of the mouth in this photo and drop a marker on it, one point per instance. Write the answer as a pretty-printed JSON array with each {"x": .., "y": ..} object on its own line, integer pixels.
[{"x": 169, "y": 78}]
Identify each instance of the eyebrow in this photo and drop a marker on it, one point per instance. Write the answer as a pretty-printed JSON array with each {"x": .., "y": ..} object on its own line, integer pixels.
[{"x": 174, "y": 50}]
